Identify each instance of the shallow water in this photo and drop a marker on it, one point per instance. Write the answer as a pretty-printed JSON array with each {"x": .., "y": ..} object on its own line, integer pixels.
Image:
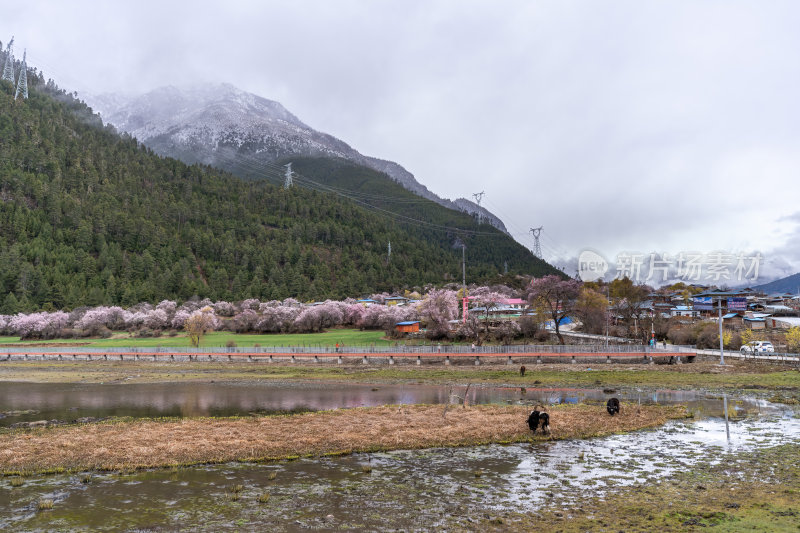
[
  {"x": 409, "y": 490},
  {"x": 26, "y": 402}
]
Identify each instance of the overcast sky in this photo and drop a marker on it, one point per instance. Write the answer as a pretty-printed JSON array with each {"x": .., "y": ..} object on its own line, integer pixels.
[{"x": 641, "y": 126}]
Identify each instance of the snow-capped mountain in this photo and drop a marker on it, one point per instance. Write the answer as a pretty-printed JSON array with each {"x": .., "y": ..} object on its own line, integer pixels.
[{"x": 222, "y": 126}]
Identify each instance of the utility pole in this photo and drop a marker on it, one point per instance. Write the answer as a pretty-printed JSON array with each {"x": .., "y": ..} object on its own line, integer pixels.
[
  {"x": 537, "y": 247},
  {"x": 8, "y": 69},
  {"x": 478, "y": 197},
  {"x": 287, "y": 183},
  {"x": 22, "y": 84},
  {"x": 721, "y": 346},
  {"x": 608, "y": 312}
]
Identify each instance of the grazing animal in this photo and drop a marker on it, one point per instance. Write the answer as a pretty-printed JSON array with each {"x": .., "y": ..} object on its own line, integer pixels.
[
  {"x": 544, "y": 420},
  {"x": 538, "y": 417},
  {"x": 522, "y": 371},
  {"x": 612, "y": 406},
  {"x": 533, "y": 420}
]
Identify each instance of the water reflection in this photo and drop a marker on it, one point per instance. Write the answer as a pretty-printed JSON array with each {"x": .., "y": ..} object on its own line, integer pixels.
[{"x": 20, "y": 402}]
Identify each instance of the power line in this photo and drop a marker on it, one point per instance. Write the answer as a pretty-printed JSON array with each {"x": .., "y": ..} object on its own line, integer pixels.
[
  {"x": 559, "y": 250},
  {"x": 308, "y": 183},
  {"x": 254, "y": 165},
  {"x": 271, "y": 171}
]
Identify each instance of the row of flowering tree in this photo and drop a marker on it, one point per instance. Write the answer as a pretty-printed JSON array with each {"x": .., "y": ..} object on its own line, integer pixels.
[
  {"x": 248, "y": 316},
  {"x": 553, "y": 296}
]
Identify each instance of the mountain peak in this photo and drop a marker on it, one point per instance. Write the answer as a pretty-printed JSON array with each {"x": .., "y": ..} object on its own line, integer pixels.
[{"x": 222, "y": 125}]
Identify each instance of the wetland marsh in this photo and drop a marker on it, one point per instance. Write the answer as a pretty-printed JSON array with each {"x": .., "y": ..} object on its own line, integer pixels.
[{"x": 686, "y": 474}]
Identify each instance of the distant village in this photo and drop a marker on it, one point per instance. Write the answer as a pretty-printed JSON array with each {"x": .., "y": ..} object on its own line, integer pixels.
[
  {"x": 545, "y": 310},
  {"x": 742, "y": 309}
]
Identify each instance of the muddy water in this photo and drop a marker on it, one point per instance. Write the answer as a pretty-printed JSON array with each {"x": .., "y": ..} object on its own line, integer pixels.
[
  {"x": 403, "y": 490},
  {"x": 26, "y": 402}
]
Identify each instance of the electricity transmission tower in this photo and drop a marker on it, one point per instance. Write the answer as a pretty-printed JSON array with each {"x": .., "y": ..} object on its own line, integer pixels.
[
  {"x": 478, "y": 197},
  {"x": 288, "y": 181},
  {"x": 8, "y": 69},
  {"x": 537, "y": 247},
  {"x": 22, "y": 84}
]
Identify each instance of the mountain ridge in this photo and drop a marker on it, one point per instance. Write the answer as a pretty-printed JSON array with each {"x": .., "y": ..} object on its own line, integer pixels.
[
  {"x": 92, "y": 217},
  {"x": 219, "y": 124},
  {"x": 789, "y": 284}
]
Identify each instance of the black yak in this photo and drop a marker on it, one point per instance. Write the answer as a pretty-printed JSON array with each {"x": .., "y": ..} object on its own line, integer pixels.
[
  {"x": 538, "y": 417},
  {"x": 612, "y": 406},
  {"x": 522, "y": 371}
]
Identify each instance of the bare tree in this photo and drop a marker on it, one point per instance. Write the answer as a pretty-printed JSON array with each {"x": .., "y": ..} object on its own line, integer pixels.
[
  {"x": 630, "y": 302},
  {"x": 556, "y": 296},
  {"x": 199, "y": 323}
]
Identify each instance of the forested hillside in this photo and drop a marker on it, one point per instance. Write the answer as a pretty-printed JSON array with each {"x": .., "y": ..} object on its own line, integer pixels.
[{"x": 88, "y": 217}]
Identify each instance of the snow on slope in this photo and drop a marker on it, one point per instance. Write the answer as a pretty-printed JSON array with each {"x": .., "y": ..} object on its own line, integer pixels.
[{"x": 214, "y": 124}]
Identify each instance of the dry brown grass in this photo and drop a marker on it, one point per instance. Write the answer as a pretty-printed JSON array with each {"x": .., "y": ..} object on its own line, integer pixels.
[{"x": 158, "y": 443}]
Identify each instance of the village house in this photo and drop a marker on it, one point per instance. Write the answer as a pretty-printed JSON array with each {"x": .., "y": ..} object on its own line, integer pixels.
[{"x": 409, "y": 326}]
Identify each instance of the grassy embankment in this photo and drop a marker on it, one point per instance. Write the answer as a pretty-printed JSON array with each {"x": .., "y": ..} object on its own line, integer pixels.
[
  {"x": 745, "y": 492},
  {"x": 348, "y": 337},
  {"x": 736, "y": 375},
  {"x": 125, "y": 445}
]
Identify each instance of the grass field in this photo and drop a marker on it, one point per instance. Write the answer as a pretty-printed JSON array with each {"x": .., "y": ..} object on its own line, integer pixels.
[
  {"x": 349, "y": 337},
  {"x": 737, "y": 375},
  {"x": 122, "y": 444}
]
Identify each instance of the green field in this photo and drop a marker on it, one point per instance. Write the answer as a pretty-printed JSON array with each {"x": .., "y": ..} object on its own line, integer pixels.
[{"x": 347, "y": 337}]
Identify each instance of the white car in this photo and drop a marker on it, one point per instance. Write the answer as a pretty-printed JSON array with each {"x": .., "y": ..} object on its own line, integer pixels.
[{"x": 756, "y": 347}]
